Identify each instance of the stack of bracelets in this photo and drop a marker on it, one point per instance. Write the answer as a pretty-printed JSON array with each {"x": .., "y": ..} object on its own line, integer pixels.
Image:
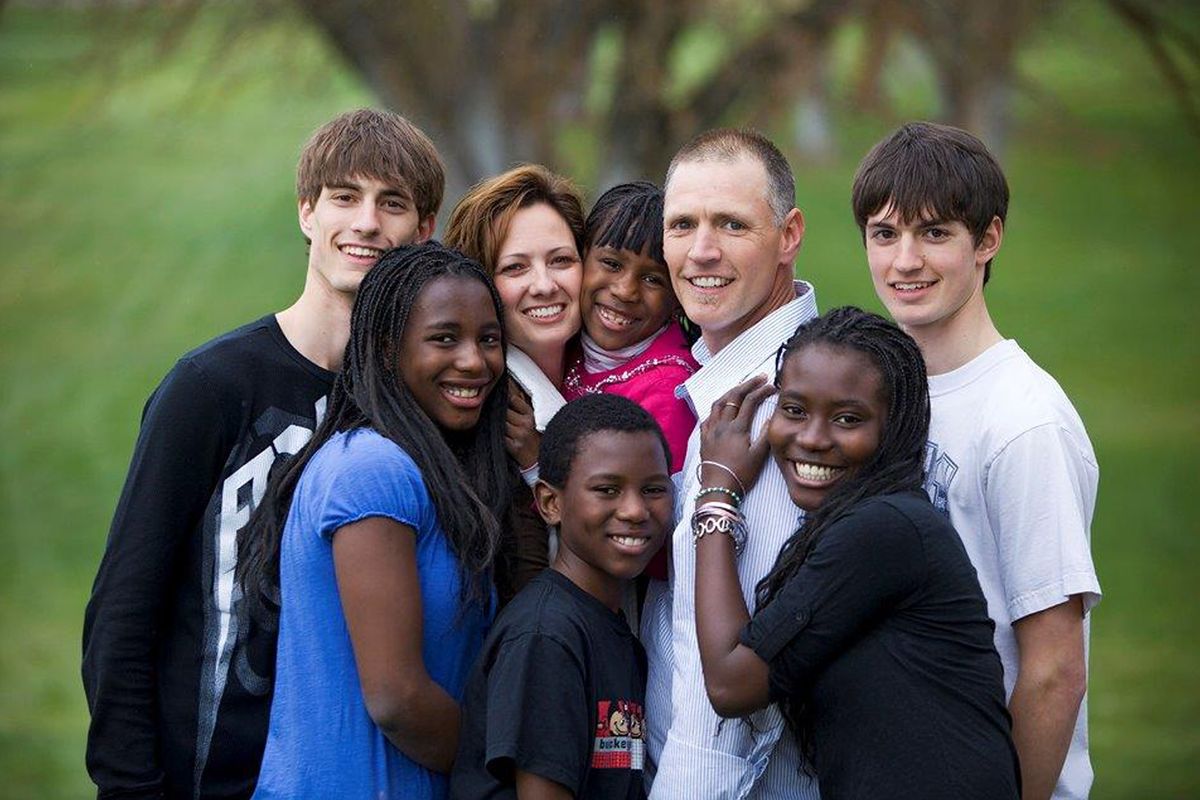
[{"x": 719, "y": 516}]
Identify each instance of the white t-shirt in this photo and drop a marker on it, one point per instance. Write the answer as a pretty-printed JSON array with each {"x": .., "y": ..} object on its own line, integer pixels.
[{"x": 1010, "y": 461}]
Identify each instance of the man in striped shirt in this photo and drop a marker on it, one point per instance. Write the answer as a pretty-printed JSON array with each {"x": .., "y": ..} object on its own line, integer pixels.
[{"x": 731, "y": 235}]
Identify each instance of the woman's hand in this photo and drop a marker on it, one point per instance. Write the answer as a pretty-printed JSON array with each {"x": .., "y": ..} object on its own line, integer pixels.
[
  {"x": 725, "y": 437},
  {"x": 521, "y": 437},
  {"x": 735, "y": 678}
]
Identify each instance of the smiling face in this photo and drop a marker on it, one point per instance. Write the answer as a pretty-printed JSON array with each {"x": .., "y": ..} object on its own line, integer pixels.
[
  {"x": 451, "y": 355},
  {"x": 730, "y": 263},
  {"x": 614, "y": 511},
  {"x": 351, "y": 224},
  {"x": 626, "y": 296},
  {"x": 929, "y": 273},
  {"x": 538, "y": 274},
  {"x": 829, "y": 420}
]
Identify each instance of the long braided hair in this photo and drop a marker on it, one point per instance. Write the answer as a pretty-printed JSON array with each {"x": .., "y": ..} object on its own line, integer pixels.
[
  {"x": 467, "y": 475},
  {"x": 897, "y": 465}
]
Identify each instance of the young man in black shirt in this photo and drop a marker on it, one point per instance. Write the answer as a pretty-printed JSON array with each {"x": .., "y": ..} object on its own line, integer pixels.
[
  {"x": 554, "y": 707},
  {"x": 177, "y": 679}
]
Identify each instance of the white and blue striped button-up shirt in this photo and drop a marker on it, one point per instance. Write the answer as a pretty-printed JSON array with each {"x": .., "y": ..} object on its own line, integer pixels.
[{"x": 697, "y": 754}]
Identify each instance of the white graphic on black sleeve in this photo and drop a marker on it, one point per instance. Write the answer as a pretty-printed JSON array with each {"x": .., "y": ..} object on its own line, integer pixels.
[{"x": 225, "y": 627}]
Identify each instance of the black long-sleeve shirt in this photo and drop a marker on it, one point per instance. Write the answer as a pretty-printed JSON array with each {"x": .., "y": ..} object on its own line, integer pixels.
[{"x": 177, "y": 680}]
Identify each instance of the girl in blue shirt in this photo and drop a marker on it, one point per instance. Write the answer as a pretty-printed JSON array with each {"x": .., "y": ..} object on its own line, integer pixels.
[{"x": 379, "y": 536}]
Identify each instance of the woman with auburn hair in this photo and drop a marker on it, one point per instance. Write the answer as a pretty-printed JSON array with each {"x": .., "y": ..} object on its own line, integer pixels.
[{"x": 525, "y": 226}]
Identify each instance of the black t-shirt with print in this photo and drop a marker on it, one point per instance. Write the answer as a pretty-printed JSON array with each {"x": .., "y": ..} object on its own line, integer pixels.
[{"x": 558, "y": 691}]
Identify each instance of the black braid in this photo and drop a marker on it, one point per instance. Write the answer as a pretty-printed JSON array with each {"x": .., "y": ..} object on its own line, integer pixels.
[
  {"x": 468, "y": 476},
  {"x": 898, "y": 464}
]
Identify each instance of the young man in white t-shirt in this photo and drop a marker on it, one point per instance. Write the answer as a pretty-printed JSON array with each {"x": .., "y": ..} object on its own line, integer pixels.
[{"x": 1008, "y": 457}]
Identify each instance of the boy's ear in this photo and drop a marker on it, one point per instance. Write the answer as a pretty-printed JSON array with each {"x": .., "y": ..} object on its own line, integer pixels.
[
  {"x": 548, "y": 501},
  {"x": 305, "y": 212},
  {"x": 989, "y": 243},
  {"x": 425, "y": 229}
]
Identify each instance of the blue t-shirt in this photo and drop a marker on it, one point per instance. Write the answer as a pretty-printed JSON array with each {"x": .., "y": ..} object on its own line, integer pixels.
[{"x": 322, "y": 742}]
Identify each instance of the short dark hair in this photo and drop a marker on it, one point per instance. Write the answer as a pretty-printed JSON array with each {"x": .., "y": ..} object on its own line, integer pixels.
[
  {"x": 374, "y": 144},
  {"x": 925, "y": 168},
  {"x": 593, "y": 413},
  {"x": 629, "y": 216},
  {"x": 730, "y": 144}
]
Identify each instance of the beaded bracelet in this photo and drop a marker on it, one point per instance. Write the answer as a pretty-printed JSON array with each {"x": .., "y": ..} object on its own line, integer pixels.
[
  {"x": 707, "y": 490},
  {"x": 719, "y": 465}
]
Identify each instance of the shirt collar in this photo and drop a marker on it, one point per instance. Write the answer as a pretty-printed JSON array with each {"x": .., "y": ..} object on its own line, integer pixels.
[
  {"x": 750, "y": 354},
  {"x": 597, "y": 359}
]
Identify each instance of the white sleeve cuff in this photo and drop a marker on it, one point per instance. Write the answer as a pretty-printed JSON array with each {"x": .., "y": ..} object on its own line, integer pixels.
[{"x": 530, "y": 474}]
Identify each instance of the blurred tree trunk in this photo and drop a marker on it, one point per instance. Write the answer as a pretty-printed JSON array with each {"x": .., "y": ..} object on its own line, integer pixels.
[
  {"x": 494, "y": 81},
  {"x": 487, "y": 84},
  {"x": 973, "y": 45},
  {"x": 812, "y": 112},
  {"x": 638, "y": 131},
  {"x": 881, "y": 18},
  {"x": 1174, "y": 50}
]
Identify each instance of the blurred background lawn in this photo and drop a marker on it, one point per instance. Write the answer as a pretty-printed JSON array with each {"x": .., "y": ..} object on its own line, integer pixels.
[{"x": 147, "y": 203}]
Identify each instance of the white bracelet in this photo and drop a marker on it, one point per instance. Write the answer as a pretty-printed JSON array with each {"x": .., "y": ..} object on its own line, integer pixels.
[
  {"x": 719, "y": 465},
  {"x": 530, "y": 474}
]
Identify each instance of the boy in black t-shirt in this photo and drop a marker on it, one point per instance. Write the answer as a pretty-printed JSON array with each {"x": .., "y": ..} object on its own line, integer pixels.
[{"x": 554, "y": 707}]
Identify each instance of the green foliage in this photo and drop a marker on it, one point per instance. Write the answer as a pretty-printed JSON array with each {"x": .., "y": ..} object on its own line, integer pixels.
[
  {"x": 148, "y": 205},
  {"x": 698, "y": 53},
  {"x": 604, "y": 60}
]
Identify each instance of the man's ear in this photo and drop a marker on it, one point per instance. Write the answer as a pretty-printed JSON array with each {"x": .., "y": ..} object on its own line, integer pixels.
[
  {"x": 792, "y": 237},
  {"x": 425, "y": 229},
  {"x": 989, "y": 243},
  {"x": 548, "y": 502}
]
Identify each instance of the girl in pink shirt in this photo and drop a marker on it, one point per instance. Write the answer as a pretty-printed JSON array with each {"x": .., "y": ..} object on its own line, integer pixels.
[{"x": 632, "y": 342}]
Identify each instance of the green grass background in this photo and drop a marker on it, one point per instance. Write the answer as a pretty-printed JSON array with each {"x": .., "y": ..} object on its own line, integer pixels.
[{"x": 146, "y": 204}]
